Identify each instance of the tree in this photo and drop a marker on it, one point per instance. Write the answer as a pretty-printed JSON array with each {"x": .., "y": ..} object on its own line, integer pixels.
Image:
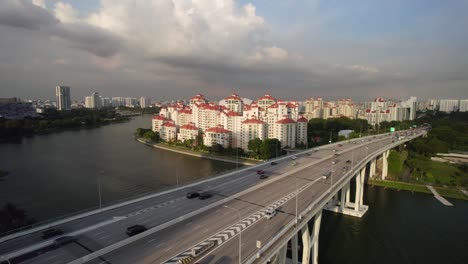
[
  {"x": 270, "y": 148},
  {"x": 217, "y": 148},
  {"x": 254, "y": 145}
]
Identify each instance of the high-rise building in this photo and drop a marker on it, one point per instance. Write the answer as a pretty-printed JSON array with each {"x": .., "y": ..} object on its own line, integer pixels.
[
  {"x": 144, "y": 102},
  {"x": 448, "y": 105},
  {"x": 463, "y": 105},
  {"x": 94, "y": 101},
  {"x": 62, "y": 95}
]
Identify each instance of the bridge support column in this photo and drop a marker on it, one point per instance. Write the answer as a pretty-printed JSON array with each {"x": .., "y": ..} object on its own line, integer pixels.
[
  {"x": 294, "y": 249},
  {"x": 385, "y": 164},
  {"x": 345, "y": 206},
  {"x": 373, "y": 166},
  {"x": 310, "y": 242},
  {"x": 357, "y": 195},
  {"x": 282, "y": 255}
]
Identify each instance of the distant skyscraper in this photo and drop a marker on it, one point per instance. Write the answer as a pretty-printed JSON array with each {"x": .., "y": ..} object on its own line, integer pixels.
[
  {"x": 448, "y": 105},
  {"x": 144, "y": 102},
  {"x": 62, "y": 95},
  {"x": 93, "y": 101},
  {"x": 463, "y": 105}
]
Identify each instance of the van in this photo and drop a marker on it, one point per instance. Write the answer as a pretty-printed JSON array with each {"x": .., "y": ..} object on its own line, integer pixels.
[{"x": 270, "y": 212}]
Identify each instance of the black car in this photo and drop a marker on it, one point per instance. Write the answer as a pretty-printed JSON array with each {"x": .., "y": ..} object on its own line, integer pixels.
[
  {"x": 273, "y": 163},
  {"x": 64, "y": 240},
  {"x": 51, "y": 233},
  {"x": 263, "y": 176},
  {"x": 348, "y": 161},
  {"x": 336, "y": 155},
  {"x": 191, "y": 195},
  {"x": 204, "y": 196},
  {"x": 135, "y": 229}
]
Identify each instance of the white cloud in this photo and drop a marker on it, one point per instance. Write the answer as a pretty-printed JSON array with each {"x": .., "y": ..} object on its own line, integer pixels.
[
  {"x": 363, "y": 68},
  {"x": 40, "y": 3},
  {"x": 65, "y": 13}
]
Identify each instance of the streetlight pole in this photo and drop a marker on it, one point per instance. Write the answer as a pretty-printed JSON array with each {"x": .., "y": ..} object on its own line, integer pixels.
[
  {"x": 330, "y": 141},
  {"x": 240, "y": 233},
  {"x": 99, "y": 188},
  {"x": 297, "y": 194}
]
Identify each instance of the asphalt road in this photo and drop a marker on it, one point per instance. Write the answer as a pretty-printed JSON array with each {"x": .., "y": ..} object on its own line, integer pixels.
[{"x": 103, "y": 229}]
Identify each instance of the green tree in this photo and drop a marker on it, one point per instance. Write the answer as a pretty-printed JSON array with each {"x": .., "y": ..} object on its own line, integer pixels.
[
  {"x": 270, "y": 148},
  {"x": 254, "y": 146}
]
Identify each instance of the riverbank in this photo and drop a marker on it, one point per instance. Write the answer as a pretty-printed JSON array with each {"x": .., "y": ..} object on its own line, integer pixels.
[
  {"x": 443, "y": 191},
  {"x": 198, "y": 154}
]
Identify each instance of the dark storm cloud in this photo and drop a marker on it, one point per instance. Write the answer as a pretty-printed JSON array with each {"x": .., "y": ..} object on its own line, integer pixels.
[
  {"x": 24, "y": 14},
  {"x": 88, "y": 38}
]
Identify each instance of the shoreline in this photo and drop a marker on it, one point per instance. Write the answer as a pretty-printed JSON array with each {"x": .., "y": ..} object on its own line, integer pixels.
[
  {"x": 199, "y": 155},
  {"x": 396, "y": 185}
]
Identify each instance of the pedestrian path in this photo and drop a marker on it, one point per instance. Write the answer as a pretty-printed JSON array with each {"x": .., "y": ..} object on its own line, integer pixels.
[{"x": 438, "y": 197}]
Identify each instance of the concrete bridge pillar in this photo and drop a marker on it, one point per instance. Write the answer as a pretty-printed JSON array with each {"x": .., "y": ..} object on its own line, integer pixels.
[
  {"x": 361, "y": 194},
  {"x": 310, "y": 242},
  {"x": 358, "y": 192},
  {"x": 281, "y": 259},
  {"x": 348, "y": 192},
  {"x": 372, "y": 169},
  {"x": 294, "y": 249},
  {"x": 385, "y": 164}
]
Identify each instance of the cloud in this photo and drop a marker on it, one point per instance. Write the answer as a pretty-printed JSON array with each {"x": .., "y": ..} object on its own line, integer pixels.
[
  {"x": 363, "y": 68},
  {"x": 24, "y": 14},
  {"x": 40, "y": 3},
  {"x": 65, "y": 13}
]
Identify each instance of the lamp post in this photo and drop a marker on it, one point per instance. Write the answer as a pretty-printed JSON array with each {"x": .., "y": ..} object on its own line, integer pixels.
[
  {"x": 330, "y": 141},
  {"x": 367, "y": 148},
  {"x": 99, "y": 188},
  {"x": 297, "y": 194},
  {"x": 240, "y": 233}
]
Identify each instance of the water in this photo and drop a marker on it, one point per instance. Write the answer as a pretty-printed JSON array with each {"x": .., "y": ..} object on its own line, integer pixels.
[
  {"x": 399, "y": 227},
  {"x": 57, "y": 174}
]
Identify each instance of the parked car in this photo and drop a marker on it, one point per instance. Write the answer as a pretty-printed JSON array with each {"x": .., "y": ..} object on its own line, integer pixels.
[
  {"x": 273, "y": 163},
  {"x": 135, "y": 230},
  {"x": 51, "y": 233},
  {"x": 204, "y": 196},
  {"x": 64, "y": 240},
  {"x": 192, "y": 195},
  {"x": 263, "y": 176}
]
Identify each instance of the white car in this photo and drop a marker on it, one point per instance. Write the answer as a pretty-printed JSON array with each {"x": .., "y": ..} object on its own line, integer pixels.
[
  {"x": 293, "y": 157},
  {"x": 270, "y": 212}
]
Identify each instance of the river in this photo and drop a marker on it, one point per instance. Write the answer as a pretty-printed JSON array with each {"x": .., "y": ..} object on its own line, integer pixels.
[{"x": 57, "y": 174}]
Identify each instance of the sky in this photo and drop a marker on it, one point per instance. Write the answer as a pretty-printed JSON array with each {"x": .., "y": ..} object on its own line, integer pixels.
[{"x": 292, "y": 49}]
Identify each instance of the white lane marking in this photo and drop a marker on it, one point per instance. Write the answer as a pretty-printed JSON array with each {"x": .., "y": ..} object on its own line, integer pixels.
[
  {"x": 150, "y": 241},
  {"x": 189, "y": 223},
  {"x": 167, "y": 249},
  {"x": 51, "y": 257},
  {"x": 103, "y": 237}
]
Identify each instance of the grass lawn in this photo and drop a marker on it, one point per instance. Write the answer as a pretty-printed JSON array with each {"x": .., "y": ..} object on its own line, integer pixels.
[
  {"x": 400, "y": 186},
  {"x": 451, "y": 193}
]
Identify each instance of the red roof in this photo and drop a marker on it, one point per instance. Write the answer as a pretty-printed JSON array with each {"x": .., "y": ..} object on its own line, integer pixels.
[
  {"x": 252, "y": 121},
  {"x": 232, "y": 97},
  {"x": 232, "y": 113},
  {"x": 158, "y": 117},
  {"x": 189, "y": 126},
  {"x": 287, "y": 120},
  {"x": 273, "y": 106},
  {"x": 302, "y": 120},
  {"x": 169, "y": 124},
  {"x": 185, "y": 111},
  {"x": 267, "y": 97},
  {"x": 198, "y": 97},
  {"x": 219, "y": 129}
]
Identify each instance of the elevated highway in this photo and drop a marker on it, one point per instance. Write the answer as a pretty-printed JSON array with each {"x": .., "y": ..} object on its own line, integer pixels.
[{"x": 297, "y": 189}]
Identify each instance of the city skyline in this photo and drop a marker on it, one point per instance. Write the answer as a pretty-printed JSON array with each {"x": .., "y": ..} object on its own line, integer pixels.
[{"x": 361, "y": 51}]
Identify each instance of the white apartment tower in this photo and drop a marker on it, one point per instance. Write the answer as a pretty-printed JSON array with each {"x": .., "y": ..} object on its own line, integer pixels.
[{"x": 62, "y": 95}]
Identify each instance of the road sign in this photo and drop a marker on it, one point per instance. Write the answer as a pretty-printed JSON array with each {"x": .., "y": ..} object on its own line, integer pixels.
[{"x": 392, "y": 129}]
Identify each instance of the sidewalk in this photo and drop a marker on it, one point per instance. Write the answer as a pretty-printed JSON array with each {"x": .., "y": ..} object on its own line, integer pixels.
[
  {"x": 438, "y": 197},
  {"x": 200, "y": 155}
]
